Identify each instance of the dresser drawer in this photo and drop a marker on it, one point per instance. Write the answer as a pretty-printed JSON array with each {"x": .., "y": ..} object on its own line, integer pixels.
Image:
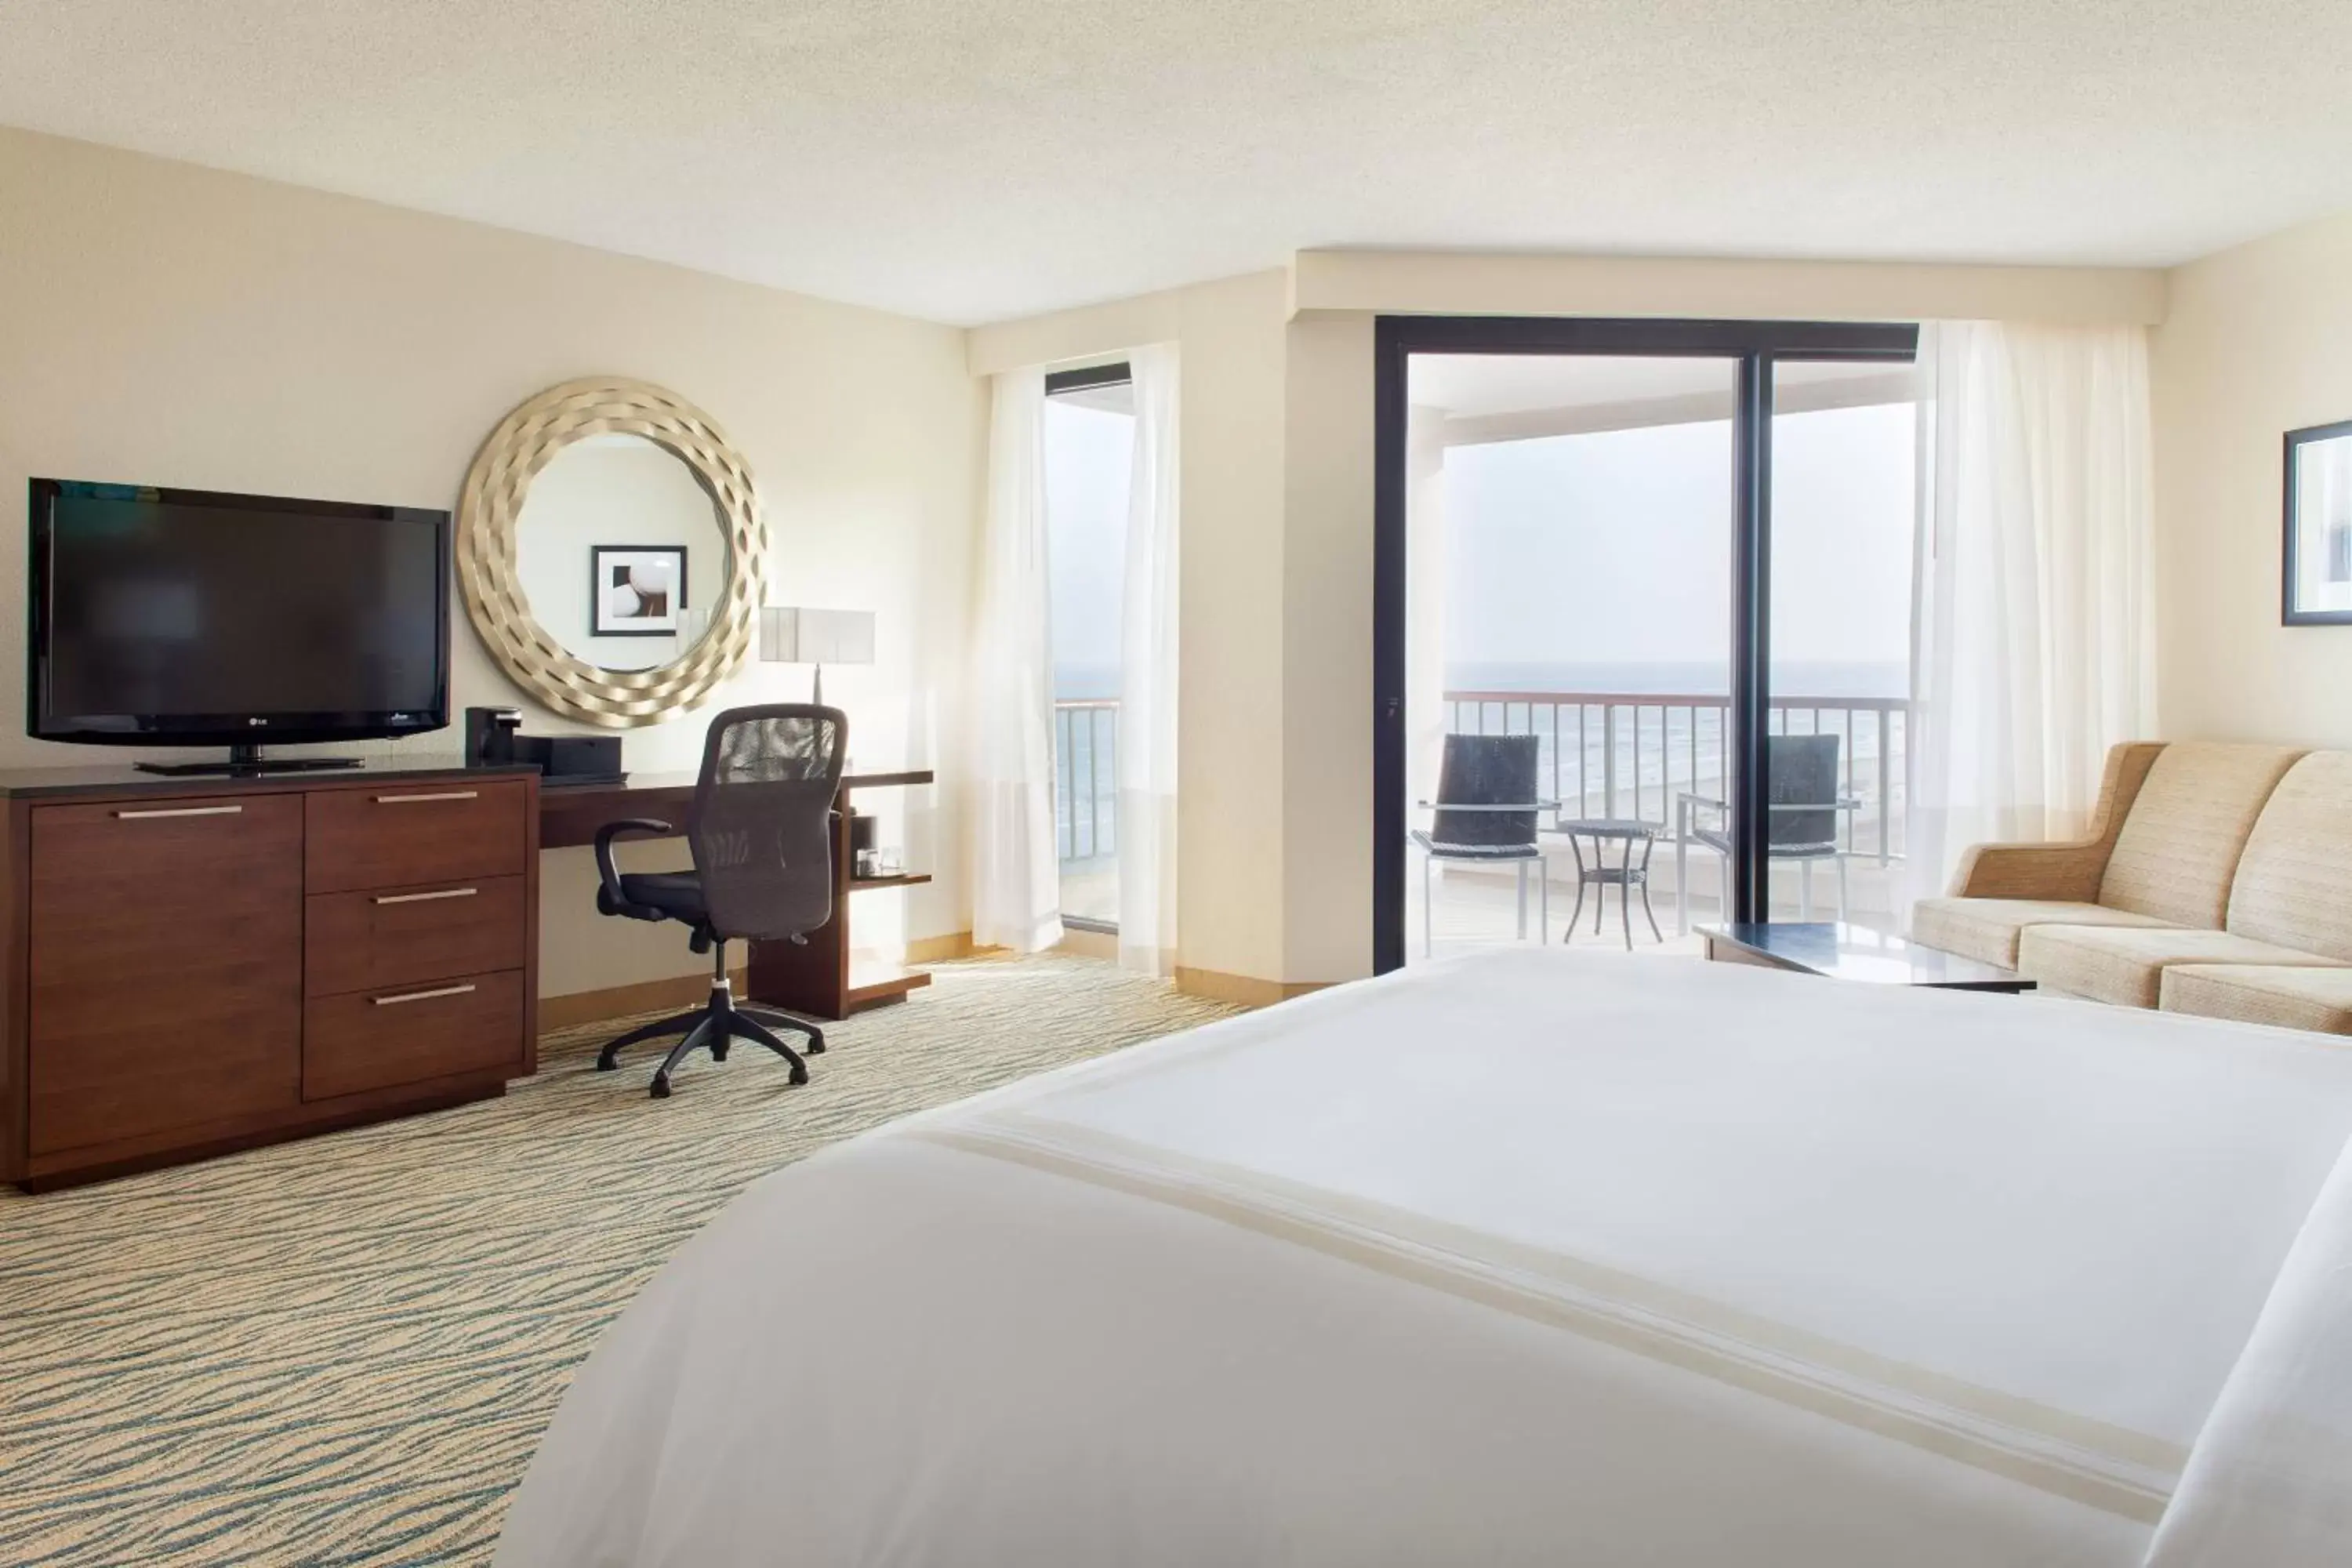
[
  {"x": 164, "y": 971},
  {"x": 355, "y": 941},
  {"x": 398, "y": 1035},
  {"x": 407, "y": 835}
]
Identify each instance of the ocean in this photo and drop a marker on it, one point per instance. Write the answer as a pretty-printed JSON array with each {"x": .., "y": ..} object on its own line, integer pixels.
[{"x": 1793, "y": 678}]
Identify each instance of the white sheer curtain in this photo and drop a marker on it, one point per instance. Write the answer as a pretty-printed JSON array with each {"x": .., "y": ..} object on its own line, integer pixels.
[
  {"x": 1016, "y": 887},
  {"x": 1145, "y": 765},
  {"x": 2034, "y": 591},
  {"x": 1424, "y": 620}
]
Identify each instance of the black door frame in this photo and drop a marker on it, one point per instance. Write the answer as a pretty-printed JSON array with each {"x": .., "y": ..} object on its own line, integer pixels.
[{"x": 1757, "y": 346}]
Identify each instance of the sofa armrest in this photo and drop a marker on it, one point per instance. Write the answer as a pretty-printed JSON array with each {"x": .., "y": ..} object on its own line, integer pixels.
[
  {"x": 2061, "y": 873},
  {"x": 2067, "y": 872}
]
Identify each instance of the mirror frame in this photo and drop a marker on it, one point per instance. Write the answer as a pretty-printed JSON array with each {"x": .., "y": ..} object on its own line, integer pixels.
[{"x": 491, "y": 504}]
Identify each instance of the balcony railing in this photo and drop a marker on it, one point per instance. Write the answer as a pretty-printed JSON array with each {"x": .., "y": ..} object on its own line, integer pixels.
[
  {"x": 1086, "y": 779},
  {"x": 1624, "y": 755},
  {"x": 1629, "y": 754}
]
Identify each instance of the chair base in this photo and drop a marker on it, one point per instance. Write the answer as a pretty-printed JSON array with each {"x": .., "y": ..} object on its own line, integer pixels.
[{"x": 715, "y": 1024}]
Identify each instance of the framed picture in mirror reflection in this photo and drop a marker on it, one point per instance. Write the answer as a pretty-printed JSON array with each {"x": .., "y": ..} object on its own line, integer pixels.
[{"x": 636, "y": 590}]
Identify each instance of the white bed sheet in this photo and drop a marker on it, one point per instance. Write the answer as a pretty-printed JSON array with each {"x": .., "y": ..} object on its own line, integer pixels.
[{"x": 1531, "y": 1258}]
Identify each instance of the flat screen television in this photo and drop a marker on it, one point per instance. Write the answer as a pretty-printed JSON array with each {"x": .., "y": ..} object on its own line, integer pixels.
[{"x": 192, "y": 618}]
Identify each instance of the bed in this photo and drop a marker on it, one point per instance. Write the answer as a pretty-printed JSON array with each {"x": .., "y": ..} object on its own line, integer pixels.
[{"x": 1525, "y": 1257}]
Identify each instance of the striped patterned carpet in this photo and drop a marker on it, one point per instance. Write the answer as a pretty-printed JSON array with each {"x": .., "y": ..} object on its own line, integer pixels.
[{"x": 343, "y": 1351}]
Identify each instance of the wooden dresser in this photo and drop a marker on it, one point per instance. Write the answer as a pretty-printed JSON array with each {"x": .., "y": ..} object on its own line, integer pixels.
[{"x": 199, "y": 964}]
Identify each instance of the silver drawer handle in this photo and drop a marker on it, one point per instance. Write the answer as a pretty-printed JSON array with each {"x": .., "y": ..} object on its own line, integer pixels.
[
  {"x": 423, "y": 995},
  {"x": 445, "y": 794},
  {"x": 181, "y": 811},
  {"x": 426, "y": 897}
]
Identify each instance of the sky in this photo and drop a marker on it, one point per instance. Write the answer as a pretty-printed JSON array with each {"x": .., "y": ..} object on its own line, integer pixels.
[
  {"x": 1577, "y": 554},
  {"x": 1088, "y": 452},
  {"x": 1613, "y": 549}
]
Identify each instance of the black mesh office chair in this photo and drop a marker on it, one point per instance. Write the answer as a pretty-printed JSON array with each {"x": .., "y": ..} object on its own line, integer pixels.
[{"x": 763, "y": 839}]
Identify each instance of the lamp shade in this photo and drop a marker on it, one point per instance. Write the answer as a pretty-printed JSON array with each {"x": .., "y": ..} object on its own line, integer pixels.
[{"x": 791, "y": 634}]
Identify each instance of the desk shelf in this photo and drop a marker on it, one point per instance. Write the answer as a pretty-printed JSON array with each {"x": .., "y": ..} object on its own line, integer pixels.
[
  {"x": 904, "y": 879},
  {"x": 871, "y": 985}
]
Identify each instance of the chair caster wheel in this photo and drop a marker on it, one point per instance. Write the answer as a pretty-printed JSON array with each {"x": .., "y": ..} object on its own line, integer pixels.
[
  {"x": 815, "y": 1046},
  {"x": 800, "y": 1074},
  {"x": 603, "y": 1066},
  {"x": 718, "y": 1053},
  {"x": 661, "y": 1089}
]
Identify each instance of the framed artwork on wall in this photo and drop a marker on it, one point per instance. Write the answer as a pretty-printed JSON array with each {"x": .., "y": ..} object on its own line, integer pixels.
[
  {"x": 636, "y": 590},
  {"x": 2318, "y": 550}
]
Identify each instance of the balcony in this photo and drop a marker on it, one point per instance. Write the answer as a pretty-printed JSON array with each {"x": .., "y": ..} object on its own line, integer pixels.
[
  {"x": 1634, "y": 755},
  {"x": 1086, "y": 809},
  {"x": 1603, "y": 754}
]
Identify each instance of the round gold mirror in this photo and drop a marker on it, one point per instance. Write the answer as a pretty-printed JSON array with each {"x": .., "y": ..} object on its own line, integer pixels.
[{"x": 611, "y": 551}]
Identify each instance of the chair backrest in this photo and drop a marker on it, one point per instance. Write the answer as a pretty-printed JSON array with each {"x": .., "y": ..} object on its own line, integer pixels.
[
  {"x": 2177, "y": 850},
  {"x": 1487, "y": 770},
  {"x": 1802, "y": 770},
  {"x": 763, "y": 832},
  {"x": 2294, "y": 883}
]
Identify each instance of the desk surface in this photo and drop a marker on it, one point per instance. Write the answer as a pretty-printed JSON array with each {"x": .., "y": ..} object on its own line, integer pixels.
[
  {"x": 686, "y": 780},
  {"x": 570, "y": 815}
]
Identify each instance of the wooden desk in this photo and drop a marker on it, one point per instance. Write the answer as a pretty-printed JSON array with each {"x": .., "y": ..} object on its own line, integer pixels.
[{"x": 817, "y": 979}]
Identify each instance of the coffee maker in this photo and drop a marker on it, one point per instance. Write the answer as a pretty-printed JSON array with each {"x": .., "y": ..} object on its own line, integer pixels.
[
  {"x": 490, "y": 735},
  {"x": 494, "y": 739}
]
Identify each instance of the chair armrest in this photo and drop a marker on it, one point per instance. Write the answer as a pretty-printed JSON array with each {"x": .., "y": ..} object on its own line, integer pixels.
[
  {"x": 1687, "y": 806},
  {"x": 2061, "y": 873},
  {"x": 609, "y": 874}
]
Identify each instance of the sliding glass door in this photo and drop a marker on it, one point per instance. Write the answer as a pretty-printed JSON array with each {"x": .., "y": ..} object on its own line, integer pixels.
[
  {"x": 1568, "y": 564},
  {"x": 1845, "y": 440},
  {"x": 1575, "y": 589}
]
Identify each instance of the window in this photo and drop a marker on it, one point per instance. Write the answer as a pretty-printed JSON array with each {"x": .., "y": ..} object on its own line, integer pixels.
[{"x": 1090, "y": 459}]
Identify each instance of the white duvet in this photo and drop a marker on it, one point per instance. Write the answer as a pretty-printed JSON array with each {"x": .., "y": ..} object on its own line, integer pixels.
[{"x": 1529, "y": 1257}]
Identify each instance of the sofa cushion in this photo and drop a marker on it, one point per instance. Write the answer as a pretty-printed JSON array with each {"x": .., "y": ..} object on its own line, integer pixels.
[
  {"x": 2124, "y": 964},
  {"x": 1986, "y": 928},
  {"x": 2295, "y": 881},
  {"x": 2294, "y": 997},
  {"x": 2179, "y": 847}
]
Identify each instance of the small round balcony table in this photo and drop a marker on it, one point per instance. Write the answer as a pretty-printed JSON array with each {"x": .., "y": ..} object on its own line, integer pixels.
[{"x": 1627, "y": 875}]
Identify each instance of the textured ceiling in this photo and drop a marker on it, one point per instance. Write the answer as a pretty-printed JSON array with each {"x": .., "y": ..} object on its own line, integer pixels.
[{"x": 973, "y": 160}]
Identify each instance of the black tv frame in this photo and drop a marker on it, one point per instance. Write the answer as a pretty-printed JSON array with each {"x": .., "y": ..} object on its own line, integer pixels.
[{"x": 243, "y": 734}]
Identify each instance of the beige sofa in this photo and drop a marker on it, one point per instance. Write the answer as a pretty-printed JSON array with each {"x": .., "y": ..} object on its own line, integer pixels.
[{"x": 2215, "y": 879}]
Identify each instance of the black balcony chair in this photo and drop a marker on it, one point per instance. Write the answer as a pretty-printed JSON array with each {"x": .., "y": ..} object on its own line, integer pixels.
[
  {"x": 762, "y": 836},
  {"x": 1485, "y": 813},
  {"x": 1800, "y": 774}
]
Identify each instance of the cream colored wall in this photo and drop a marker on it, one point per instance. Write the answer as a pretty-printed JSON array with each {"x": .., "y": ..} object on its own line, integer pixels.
[
  {"x": 2258, "y": 342},
  {"x": 1233, "y": 755},
  {"x": 1453, "y": 283},
  {"x": 1328, "y": 639},
  {"x": 165, "y": 324}
]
